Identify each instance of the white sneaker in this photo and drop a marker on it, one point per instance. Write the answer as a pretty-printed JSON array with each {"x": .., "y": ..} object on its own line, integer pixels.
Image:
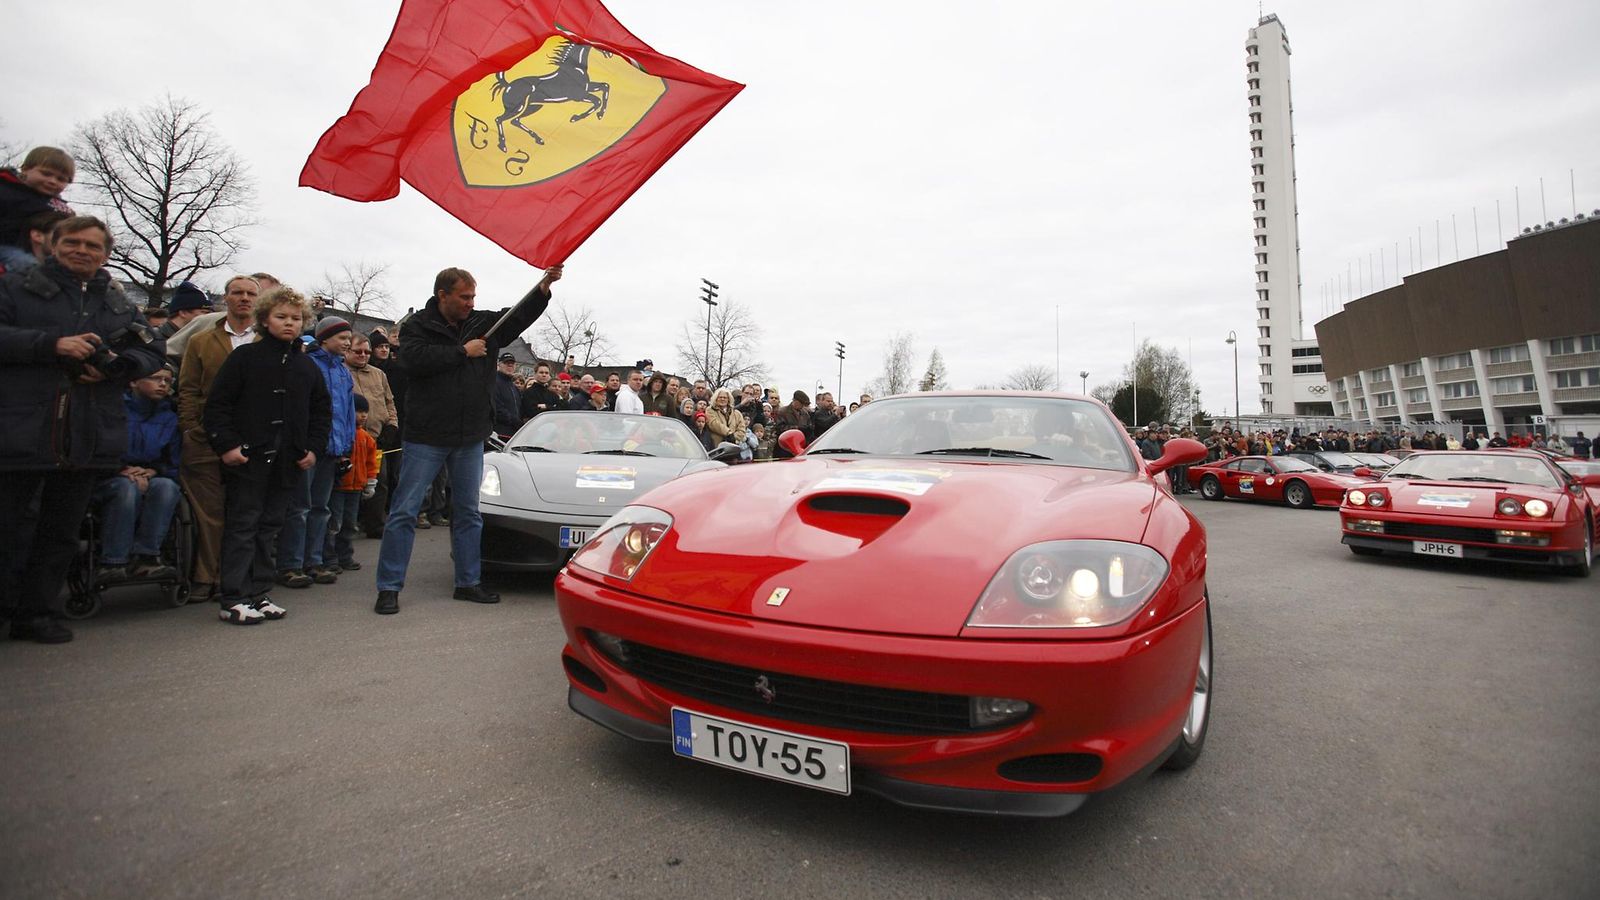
[
  {"x": 241, "y": 614},
  {"x": 268, "y": 609}
]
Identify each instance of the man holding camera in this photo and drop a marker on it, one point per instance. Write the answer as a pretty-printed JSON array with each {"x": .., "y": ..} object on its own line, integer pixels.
[{"x": 70, "y": 343}]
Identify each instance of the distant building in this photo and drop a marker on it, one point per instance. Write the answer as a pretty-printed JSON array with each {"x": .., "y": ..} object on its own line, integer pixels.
[
  {"x": 1289, "y": 378},
  {"x": 1495, "y": 340}
]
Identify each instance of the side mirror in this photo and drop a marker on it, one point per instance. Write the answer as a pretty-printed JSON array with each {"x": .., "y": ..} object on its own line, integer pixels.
[
  {"x": 1362, "y": 472},
  {"x": 493, "y": 444},
  {"x": 724, "y": 452},
  {"x": 793, "y": 440},
  {"x": 1178, "y": 452},
  {"x": 1589, "y": 480}
]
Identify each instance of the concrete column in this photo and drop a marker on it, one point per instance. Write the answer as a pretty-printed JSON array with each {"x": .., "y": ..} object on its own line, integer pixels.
[
  {"x": 1542, "y": 381},
  {"x": 1399, "y": 395},
  {"x": 1434, "y": 400},
  {"x": 1491, "y": 416},
  {"x": 1366, "y": 394}
]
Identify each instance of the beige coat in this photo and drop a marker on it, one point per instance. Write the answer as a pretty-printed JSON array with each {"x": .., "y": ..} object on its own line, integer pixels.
[
  {"x": 725, "y": 424},
  {"x": 373, "y": 384},
  {"x": 202, "y": 357}
]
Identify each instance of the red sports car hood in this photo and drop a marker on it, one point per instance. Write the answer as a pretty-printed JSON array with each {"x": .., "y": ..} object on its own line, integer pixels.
[
  {"x": 887, "y": 545},
  {"x": 1454, "y": 499}
]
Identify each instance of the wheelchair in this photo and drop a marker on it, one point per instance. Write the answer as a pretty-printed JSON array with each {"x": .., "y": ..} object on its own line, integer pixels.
[{"x": 86, "y": 594}]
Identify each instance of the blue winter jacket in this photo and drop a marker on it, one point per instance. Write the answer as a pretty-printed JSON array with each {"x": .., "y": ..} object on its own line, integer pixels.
[
  {"x": 154, "y": 440},
  {"x": 342, "y": 394}
]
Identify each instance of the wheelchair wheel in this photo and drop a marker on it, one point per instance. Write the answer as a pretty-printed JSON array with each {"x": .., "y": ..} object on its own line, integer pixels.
[
  {"x": 177, "y": 594},
  {"x": 81, "y": 605}
]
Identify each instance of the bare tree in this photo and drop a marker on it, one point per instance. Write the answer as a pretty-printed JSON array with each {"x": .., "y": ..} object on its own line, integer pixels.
[
  {"x": 729, "y": 357},
  {"x": 176, "y": 195},
  {"x": 564, "y": 332},
  {"x": 934, "y": 379},
  {"x": 359, "y": 288},
  {"x": 896, "y": 375},
  {"x": 11, "y": 150},
  {"x": 1031, "y": 377}
]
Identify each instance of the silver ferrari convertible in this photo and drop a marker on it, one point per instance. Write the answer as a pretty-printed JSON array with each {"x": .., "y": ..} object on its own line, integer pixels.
[{"x": 564, "y": 473}]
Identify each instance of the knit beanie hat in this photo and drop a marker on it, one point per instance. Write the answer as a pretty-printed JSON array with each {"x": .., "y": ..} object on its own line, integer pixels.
[
  {"x": 331, "y": 326},
  {"x": 187, "y": 296}
]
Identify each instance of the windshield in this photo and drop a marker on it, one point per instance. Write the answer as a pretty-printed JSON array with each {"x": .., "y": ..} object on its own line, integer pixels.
[
  {"x": 1046, "y": 429},
  {"x": 1491, "y": 467},
  {"x": 1580, "y": 467},
  {"x": 1289, "y": 464},
  {"x": 1340, "y": 460},
  {"x": 1373, "y": 459},
  {"x": 602, "y": 433}
]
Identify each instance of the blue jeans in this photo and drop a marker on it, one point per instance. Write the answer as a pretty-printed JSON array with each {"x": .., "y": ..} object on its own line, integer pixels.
[
  {"x": 305, "y": 522},
  {"x": 131, "y": 522},
  {"x": 344, "y": 511},
  {"x": 419, "y": 464}
]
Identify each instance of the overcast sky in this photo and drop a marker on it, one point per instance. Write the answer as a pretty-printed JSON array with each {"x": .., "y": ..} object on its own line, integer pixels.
[{"x": 959, "y": 171}]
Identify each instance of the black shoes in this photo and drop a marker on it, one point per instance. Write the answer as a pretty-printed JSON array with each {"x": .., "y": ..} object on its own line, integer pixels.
[
  {"x": 439, "y": 519},
  {"x": 476, "y": 594},
  {"x": 110, "y": 574},
  {"x": 40, "y": 630},
  {"x": 388, "y": 603},
  {"x": 349, "y": 565}
]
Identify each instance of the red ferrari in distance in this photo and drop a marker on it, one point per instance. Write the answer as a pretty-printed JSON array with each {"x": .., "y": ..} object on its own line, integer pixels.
[
  {"x": 1505, "y": 505},
  {"x": 976, "y": 602},
  {"x": 1280, "y": 479}
]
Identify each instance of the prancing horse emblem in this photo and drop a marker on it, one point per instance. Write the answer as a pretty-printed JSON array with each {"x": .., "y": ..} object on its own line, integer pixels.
[
  {"x": 764, "y": 689},
  {"x": 778, "y": 596},
  {"x": 569, "y": 83}
]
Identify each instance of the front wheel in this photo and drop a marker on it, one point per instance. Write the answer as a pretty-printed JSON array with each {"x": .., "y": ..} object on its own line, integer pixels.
[
  {"x": 1192, "y": 739},
  {"x": 1582, "y": 568},
  {"x": 1211, "y": 488},
  {"x": 1298, "y": 495}
]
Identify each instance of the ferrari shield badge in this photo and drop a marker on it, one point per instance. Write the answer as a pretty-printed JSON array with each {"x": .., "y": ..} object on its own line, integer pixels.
[
  {"x": 778, "y": 596},
  {"x": 557, "y": 109}
]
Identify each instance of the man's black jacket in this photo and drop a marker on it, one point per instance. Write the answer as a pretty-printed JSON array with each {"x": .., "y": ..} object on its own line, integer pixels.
[{"x": 449, "y": 394}]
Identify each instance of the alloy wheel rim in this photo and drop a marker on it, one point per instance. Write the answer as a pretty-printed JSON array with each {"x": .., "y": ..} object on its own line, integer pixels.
[{"x": 1194, "y": 724}]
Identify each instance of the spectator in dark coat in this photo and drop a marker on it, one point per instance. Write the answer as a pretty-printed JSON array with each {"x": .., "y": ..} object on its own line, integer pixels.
[
  {"x": 506, "y": 399},
  {"x": 539, "y": 396},
  {"x": 797, "y": 415},
  {"x": 55, "y": 321}
]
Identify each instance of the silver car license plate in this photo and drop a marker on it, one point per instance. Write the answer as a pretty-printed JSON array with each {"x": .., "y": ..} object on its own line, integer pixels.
[
  {"x": 794, "y": 758},
  {"x": 572, "y": 536},
  {"x": 1435, "y": 548}
]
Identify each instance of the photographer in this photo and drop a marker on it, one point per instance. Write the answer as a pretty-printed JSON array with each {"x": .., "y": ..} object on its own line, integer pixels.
[{"x": 70, "y": 343}]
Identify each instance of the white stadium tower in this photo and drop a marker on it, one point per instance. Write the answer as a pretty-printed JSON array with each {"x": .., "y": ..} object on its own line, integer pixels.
[{"x": 1290, "y": 377}]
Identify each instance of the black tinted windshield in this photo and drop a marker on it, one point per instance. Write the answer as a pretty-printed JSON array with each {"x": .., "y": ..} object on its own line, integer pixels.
[{"x": 1013, "y": 429}]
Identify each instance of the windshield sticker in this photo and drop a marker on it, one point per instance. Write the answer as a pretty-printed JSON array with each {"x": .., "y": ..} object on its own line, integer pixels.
[
  {"x": 1247, "y": 485},
  {"x": 914, "y": 482},
  {"x": 1453, "y": 501},
  {"x": 602, "y": 477}
]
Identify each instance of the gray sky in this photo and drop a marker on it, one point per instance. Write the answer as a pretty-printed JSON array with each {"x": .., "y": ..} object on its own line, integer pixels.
[{"x": 954, "y": 170}]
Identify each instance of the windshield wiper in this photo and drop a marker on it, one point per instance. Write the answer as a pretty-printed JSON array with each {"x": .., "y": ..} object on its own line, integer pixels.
[
  {"x": 530, "y": 448},
  {"x": 835, "y": 450},
  {"x": 1483, "y": 478},
  {"x": 986, "y": 451},
  {"x": 1407, "y": 475},
  {"x": 616, "y": 453}
]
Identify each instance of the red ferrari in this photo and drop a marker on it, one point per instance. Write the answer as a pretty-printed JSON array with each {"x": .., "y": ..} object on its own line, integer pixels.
[
  {"x": 1280, "y": 479},
  {"x": 1506, "y": 505},
  {"x": 977, "y": 602}
]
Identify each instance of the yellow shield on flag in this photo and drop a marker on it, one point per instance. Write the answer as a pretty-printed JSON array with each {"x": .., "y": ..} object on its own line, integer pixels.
[{"x": 558, "y": 108}]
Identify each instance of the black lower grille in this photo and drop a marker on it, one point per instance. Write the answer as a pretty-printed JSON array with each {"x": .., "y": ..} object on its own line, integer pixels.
[
  {"x": 794, "y": 698},
  {"x": 1438, "y": 532}
]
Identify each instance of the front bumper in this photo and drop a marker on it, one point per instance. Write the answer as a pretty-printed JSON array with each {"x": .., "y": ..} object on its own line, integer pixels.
[
  {"x": 1120, "y": 701},
  {"x": 528, "y": 540},
  {"x": 1496, "y": 552}
]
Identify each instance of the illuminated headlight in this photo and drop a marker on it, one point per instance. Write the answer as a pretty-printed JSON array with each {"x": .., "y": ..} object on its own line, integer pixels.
[
  {"x": 1070, "y": 584},
  {"x": 491, "y": 482},
  {"x": 1357, "y": 498},
  {"x": 624, "y": 542},
  {"x": 1536, "y": 508},
  {"x": 1509, "y": 506},
  {"x": 990, "y": 711}
]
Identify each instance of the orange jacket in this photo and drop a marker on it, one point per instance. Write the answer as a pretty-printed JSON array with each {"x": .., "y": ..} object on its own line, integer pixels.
[{"x": 363, "y": 463}]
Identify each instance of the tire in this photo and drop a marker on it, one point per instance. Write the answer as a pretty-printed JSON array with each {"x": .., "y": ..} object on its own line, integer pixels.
[
  {"x": 1192, "y": 739},
  {"x": 177, "y": 594},
  {"x": 1211, "y": 488},
  {"x": 1364, "y": 551},
  {"x": 1582, "y": 569},
  {"x": 81, "y": 606},
  {"x": 1298, "y": 495}
]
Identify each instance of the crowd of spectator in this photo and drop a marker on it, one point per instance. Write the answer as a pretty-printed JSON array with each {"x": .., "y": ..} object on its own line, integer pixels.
[{"x": 1224, "y": 442}]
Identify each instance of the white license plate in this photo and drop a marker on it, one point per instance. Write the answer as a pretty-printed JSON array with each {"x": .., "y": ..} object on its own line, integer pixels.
[
  {"x": 1434, "y": 548},
  {"x": 824, "y": 765},
  {"x": 572, "y": 536}
]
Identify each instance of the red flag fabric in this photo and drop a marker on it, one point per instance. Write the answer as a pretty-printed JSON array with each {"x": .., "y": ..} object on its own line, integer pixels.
[{"x": 531, "y": 121}]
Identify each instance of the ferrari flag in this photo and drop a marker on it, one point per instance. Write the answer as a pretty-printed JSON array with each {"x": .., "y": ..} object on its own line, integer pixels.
[{"x": 531, "y": 121}]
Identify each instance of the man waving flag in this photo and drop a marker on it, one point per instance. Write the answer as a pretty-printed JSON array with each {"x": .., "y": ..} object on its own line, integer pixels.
[{"x": 531, "y": 121}]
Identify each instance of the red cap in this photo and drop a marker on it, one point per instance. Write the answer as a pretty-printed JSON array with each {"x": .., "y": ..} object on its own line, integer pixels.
[
  {"x": 597, "y": 388},
  {"x": 563, "y": 377}
]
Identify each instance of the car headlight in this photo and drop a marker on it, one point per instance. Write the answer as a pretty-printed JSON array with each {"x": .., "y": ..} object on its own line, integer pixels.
[
  {"x": 1509, "y": 506},
  {"x": 1536, "y": 508},
  {"x": 1070, "y": 584},
  {"x": 1357, "y": 498},
  {"x": 1376, "y": 498},
  {"x": 624, "y": 542},
  {"x": 491, "y": 482}
]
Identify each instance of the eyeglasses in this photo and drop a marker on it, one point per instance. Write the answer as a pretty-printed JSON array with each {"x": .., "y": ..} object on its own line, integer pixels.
[{"x": 362, "y": 352}]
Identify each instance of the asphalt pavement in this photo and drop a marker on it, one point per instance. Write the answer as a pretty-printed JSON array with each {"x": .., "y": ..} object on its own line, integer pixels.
[{"x": 1390, "y": 727}]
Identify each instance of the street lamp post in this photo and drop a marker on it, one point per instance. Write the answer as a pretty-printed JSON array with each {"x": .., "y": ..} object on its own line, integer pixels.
[
  {"x": 838, "y": 350},
  {"x": 708, "y": 294},
  {"x": 1085, "y": 376},
  {"x": 1233, "y": 340}
]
